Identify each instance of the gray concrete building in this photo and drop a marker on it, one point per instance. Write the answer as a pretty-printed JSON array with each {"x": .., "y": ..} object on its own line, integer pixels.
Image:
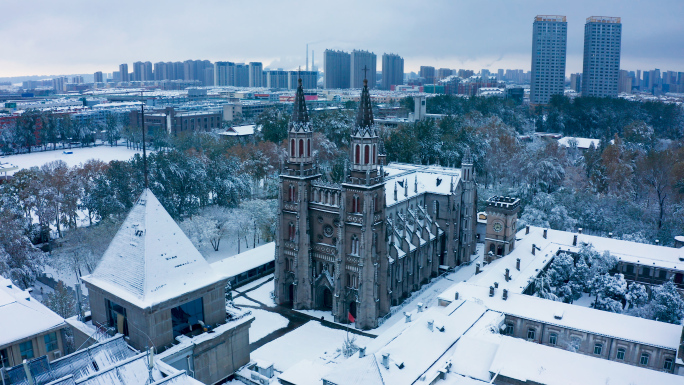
[
  {"x": 153, "y": 287},
  {"x": 241, "y": 75},
  {"x": 277, "y": 79},
  {"x": 336, "y": 66},
  {"x": 392, "y": 70},
  {"x": 123, "y": 72},
  {"x": 363, "y": 65},
  {"x": 309, "y": 79},
  {"x": 224, "y": 73},
  {"x": 549, "y": 47},
  {"x": 428, "y": 74},
  {"x": 602, "y": 41}
]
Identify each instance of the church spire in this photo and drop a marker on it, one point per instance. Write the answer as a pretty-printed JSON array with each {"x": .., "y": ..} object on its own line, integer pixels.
[
  {"x": 299, "y": 113},
  {"x": 364, "y": 117}
]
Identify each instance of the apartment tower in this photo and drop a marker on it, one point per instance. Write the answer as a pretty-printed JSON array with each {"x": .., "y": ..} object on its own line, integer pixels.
[
  {"x": 602, "y": 37},
  {"x": 549, "y": 46}
]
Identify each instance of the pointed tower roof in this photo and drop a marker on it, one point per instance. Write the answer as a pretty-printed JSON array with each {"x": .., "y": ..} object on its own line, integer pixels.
[
  {"x": 364, "y": 117},
  {"x": 300, "y": 116},
  {"x": 150, "y": 260}
]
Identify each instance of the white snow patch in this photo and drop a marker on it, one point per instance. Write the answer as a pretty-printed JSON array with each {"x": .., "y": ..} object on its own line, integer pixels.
[{"x": 264, "y": 324}]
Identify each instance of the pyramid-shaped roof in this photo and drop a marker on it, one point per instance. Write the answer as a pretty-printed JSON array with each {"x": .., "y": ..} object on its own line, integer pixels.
[{"x": 150, "y": 260}]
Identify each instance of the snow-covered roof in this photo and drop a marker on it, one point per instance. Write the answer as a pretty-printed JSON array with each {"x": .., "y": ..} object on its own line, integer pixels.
[
  {"x": 243, "y": 262},
  {"x": 582, "y": 143},
  {"x": 599, "y": 322},
  {"x": 240, "y": 130},
  {"x": 305, "y": 372},
  {"x": 535, "y": 363},
  {"x": 150, "y": 260},
  {"x": 72, "y": 157},
  {"x": 430, "y": 179},
  {"x": 22, "y": 316}
]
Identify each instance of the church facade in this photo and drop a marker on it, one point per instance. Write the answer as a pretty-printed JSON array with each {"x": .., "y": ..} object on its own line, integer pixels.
[{"x": 359, "y": 247}]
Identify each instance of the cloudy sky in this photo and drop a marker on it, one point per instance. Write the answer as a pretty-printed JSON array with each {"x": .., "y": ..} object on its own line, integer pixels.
[{"x": 43, "y": 37}]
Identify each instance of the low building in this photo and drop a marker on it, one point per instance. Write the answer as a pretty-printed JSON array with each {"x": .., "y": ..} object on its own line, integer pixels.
[
  {"x": 172, "y": 122},
  {"x": 248, "y": 266},
  {"x": 28, "y": 329},
  {"x": 248, "y": 109},
  {"x": 155, "y": 288}
]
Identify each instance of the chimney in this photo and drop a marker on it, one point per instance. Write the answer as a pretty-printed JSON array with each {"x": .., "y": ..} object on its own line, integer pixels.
[
  {"x": 408, "y": 317},
  {"x": 405, "y": 188},
  {"x": 415, "y": 184},
  {"x": 496, "y": 285},
  {"x": 508, "y": 275},
  {"x": 545, "y": 233},
  {"x": 456, "y": 296},
  {"x": 579, "y": 230},
  {"x": 385, "y": 360},
  {"x": 527, "y": 229},
  {"x": 491, "y": 291},
  {"x": 477, "y": 268},
  {"x": 362, "y": 351},
  {"x": 574, "y": 240},
  {"x": 420, "y": 307},
  {"x": 517, "y": 261},
  {"x": 395, "y": 190},
  {"x": 534, "y": 250},
  {"x": 431, "y": 323},
  {"x": 505, "y": 294}
]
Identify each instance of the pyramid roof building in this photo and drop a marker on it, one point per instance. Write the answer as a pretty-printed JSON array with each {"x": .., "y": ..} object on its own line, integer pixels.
[{"x": 150, "y": 260}]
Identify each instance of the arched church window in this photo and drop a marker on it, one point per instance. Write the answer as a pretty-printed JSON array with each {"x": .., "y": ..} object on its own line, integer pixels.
[
  {"x": 292, "y": 148},
  {"x": 292, "y": 232},
  {"x": 292, "y": 193},
  {"x": 374, "y": 154},
  {"x": 308, "y": 147},
  {"x": 358, "y": 154},
  {"x": 301, "y": 147},
  {"x": 366, "y": 154}
]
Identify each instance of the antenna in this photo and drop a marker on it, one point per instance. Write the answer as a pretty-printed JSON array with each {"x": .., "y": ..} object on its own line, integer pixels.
[
  {"x": 142, "y": 112},
  {"x": 307, "y": 57}
]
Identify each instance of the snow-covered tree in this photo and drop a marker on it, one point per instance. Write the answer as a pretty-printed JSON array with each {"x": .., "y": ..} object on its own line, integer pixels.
[
  {"x": 667, "y": 304},
  {"x": 636, "y": 295},
  {"x": 61, "y": 301},
  {"x": 202, "y": 231}
]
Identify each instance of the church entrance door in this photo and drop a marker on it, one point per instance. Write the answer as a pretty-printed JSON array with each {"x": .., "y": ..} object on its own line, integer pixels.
[
  {"x": 352, "y": 308},
  {"x": 290, "y": 295},
  {"x": 327, "y": 299}
]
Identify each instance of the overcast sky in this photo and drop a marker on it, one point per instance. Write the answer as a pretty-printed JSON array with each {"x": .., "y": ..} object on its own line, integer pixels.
[{"x": 73, "y": 36}]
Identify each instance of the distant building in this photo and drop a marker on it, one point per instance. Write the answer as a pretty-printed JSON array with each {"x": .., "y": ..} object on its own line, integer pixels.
[
  {"x": 549, "y": 46},
  {"x": 123, "y": 73},
  {"x": 246, "y": 109},
  {"x": 428, "y": 74},
  {"x": 392, "y": 71},
  {"x": 602, "y": 39},
  {"x": 97, "y": 77},
  {"x": 241, "y": 75},
  {"x": 277, "y": 79},
  {"x": 171, "y": 122},
  {"x": 309, "y": 79},
  {"x": 224, "y": 73},
  {"x": 256, "y": 70},
  {"x": 363, "y": 65},
  {"x": 336, "y": 66},
  {"x": 576, "y": 82},
  {"x": 442, "y": 73},
  {"x": 624, "y": 82}
]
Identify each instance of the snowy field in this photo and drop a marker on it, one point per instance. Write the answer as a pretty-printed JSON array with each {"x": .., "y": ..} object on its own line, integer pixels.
[
  {"x": 264, "y": 324},
  {"x": 263, "y": 294},
  {"x": 311, "y": 341},
  {"x": 104, "y": 153}
]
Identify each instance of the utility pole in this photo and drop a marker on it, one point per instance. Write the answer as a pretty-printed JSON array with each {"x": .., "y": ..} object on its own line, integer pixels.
[{"x": 142, "y": 113}]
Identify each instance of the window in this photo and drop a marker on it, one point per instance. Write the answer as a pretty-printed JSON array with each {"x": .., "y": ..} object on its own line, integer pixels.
[
  {"x": 509, "y": 330},
  {"x": 292, "y": 148},
  {"x": 553, "y": 339},
  {"x": 374, "y": 154},
  {"x": 51, "y": 342},
  {"x": 598, "y": 348},
  {"x": 292, "y": 232},
  {"x": 186, "y": 316},
  {"x": 366, "y": 154},
  {"x": 301, "y": 147},
  {"x": 26, "y": 350},
  {"x": 292, "y": 193},
  {"x": 308, "y": 147},
  {"x": 116, "y": 317},
  {"x": 643, "y": 360},
  {"x": 4, "y": 358},
  {"x": 531, "y": 333},
  {"x": 358, "y": 154},
  {"x": 668, "y": 364}
]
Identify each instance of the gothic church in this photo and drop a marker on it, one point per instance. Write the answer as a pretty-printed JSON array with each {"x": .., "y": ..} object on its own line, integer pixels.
[{"x": 359, "y": 247}]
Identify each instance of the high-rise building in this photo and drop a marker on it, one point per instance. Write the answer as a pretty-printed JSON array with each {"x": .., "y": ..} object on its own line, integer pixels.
[
  {"x": 363, "y": 65},
  {"x": 224, "y": 73},
  {"x": 336, "y": 66},
  {"x": 256, "y": 70},
  {"x": 549, "y": 46},
  {"x": 392, "y": 71},
  {"x": 576, "y": 82},
  {"x": 277, "y": 79},
  {"x": 442, "y": 73},
  {"x": 97, "y": 77},
  {"x": 123, "y": 73},
  {"x": 602, "y": 38},
  {"x": 147, "y": 74},
  {"x": 428, "y": 74},
  {"x": 465, "y": 73},
  {"x": 137, "y": 74},
  {"x": 241, "y": 75},
  {"x": 309, "y": 79},
  {"x": 624, "y": 82}
]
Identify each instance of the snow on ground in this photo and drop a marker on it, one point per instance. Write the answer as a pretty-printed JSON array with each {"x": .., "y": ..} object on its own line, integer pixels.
[
  {"x": 254, "y": 284},
  {"x": 80, "y": 155},
  {"x": 263, "y": 294},
  {"x": 427, "y": 298},
  {"x": 585, "y": 300},
  {"x": 311, "y": 341},
  {"x": 242, "y": 301},
  {"x": 264, "y": 324}
]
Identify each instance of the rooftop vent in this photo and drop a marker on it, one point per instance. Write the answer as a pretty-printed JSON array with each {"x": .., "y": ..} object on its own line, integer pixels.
[
  {"x": 558, "y": 314},
  {"x": 362, "y": 351},
  {"x": 385, "y": 360},
  {"x": 431, "y": 323}
]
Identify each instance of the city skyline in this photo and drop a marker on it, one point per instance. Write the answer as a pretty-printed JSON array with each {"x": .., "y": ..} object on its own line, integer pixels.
[{"x": 450, "y": 38}]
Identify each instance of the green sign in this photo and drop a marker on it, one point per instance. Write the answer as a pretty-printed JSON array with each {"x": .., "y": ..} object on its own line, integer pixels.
[{"x": 10, "y": 105}]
